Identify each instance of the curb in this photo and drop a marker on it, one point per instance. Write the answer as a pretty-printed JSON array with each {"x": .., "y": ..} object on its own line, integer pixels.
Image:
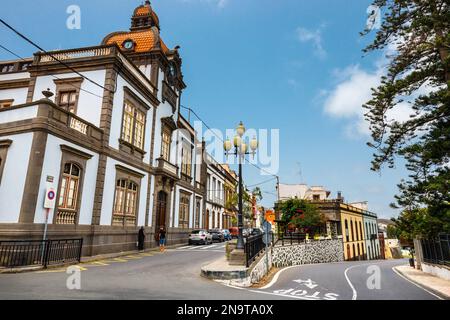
[
  {"x": 434, "y": 291},
  {"x": 83, "y": 260}
]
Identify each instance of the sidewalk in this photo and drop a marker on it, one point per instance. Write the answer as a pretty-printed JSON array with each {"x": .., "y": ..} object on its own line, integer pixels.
[
  {"x": 84, "y": 260},
  {"x": 428, "y": 281}
]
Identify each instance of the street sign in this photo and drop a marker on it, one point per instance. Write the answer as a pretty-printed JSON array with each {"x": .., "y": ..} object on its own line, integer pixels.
[
  {"x": 267, "y": 226},
  {"x": 50, "y": 198}
]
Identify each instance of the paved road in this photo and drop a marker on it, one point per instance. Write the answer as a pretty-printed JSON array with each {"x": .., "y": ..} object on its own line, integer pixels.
[
  {"x": 347, "y": 281},
  {"x": 176, "y": 275}
]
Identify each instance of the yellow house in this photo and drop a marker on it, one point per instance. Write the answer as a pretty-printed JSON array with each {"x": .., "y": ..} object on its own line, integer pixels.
[{"x": 352, "y": 232}]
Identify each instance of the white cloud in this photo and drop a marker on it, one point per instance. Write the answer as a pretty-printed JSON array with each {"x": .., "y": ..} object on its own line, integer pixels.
[
  {"x": 314, "y": 36},
  {"x": 352, "y": 90}
]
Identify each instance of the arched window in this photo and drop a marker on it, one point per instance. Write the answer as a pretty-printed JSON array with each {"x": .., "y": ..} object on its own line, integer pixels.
[
  {"x": 125, "y": 202},
  {"x": 68, "y": 191}
]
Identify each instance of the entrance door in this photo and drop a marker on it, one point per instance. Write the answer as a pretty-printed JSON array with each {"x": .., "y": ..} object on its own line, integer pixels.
[
  {"x": 207, "y": 220},
  {"x": 161, "y": 208}
]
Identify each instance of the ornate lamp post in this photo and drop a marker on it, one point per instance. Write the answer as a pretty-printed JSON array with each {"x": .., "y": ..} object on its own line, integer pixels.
[{"x": 240, "y": 150}]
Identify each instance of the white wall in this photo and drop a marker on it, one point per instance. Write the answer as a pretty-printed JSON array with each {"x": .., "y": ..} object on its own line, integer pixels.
[
  {"x": 18, "y": 114},
  {"x": 14, "y": 76},
  {"x": 51, "y": 167},
  {"x": 89, "y": 105},
  {"x": 109, "y": 190},
  {"x": 14, "y": 174},
  {"x": 19, "y": 95}
]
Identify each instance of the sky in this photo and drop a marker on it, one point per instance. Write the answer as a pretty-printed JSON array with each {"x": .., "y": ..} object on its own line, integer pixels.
[{"x": 292, "y": 65}]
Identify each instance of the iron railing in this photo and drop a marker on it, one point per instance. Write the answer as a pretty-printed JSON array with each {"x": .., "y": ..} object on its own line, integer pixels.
[
  {"x": 289, "y": 238},
  {"x": 38, "y": 252},
  {"x": 437, "y": 251},
  {"x": 253, "y": 246}
]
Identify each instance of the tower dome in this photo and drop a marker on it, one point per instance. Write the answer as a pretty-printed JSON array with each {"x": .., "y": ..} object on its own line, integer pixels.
[{"x": 144, "y": 17}]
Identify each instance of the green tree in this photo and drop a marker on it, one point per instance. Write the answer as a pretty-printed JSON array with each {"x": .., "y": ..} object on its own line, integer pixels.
[
  {"x": 300, "y": 213},
  {"x": 418, "y": 74},
  {"x": 416, "y": 223},
  {"x": 391, "y": 232}
]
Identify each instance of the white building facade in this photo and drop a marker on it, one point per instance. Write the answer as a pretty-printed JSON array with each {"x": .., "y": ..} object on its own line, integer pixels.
[{"x": 102, "y": 126}]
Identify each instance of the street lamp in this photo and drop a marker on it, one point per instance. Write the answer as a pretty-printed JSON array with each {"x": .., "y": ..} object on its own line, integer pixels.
[{"x": 241, "y": 148}]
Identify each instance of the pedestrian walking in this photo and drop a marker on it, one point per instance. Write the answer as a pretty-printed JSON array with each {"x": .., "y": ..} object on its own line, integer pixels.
[
  {"x": 141, "y": 239},
  {"x": 162, "y": 239}
]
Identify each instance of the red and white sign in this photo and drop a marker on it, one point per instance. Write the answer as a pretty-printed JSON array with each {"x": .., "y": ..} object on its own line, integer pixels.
[{"x": 50, "y": 198}]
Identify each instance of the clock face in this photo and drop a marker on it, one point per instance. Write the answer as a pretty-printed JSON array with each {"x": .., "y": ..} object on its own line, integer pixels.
[{"x": 128, "y": 44}]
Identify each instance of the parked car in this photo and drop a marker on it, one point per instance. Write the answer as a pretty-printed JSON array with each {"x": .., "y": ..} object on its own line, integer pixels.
[
  {"x": 226, "y": 234},
  {"x": 234, "y": 231},
  {"x": 217, "y": 235},
  {"x": 200, "y": 237}
]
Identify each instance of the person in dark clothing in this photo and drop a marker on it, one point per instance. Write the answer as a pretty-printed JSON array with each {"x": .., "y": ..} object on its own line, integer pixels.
[
  {"x": 141, "y": 239},
  {"x": 162, "y": 239}
]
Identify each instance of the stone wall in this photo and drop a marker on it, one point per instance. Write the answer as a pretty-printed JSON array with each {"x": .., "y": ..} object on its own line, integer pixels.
[
  {"x": 260, "y": 267},
  {"x": 321, "y": 251}
]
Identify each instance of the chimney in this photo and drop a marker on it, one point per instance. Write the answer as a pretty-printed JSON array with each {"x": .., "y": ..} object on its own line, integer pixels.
[{"x": 339, "y": 196}]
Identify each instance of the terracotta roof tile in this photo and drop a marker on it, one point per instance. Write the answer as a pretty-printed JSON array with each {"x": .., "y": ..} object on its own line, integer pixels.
[{"x": 145, "y": 40}]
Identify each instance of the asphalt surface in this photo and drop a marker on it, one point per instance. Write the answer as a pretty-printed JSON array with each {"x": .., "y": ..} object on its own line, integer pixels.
[{"x": 175, "y": 275}]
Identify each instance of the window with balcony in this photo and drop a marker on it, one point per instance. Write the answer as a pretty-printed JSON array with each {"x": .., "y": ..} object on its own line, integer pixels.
[
  {"x": 69, "y": 192},
  {"x": 166, "y": 140},
  {"x": 67, "y": 93},
  {"x": 133, "y": 125},
  {"x": 68, "y": 100},
  {"x": 183, "y": 218},
  {"x": 186, "y": 162},
  {"x": 70, "y": 187}
]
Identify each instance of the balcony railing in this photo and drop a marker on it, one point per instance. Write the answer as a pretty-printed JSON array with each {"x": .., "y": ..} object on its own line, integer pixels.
[
  {"x": 76, "y": 54},
  {"x": 124, "y": 220},
  {"x": 66, "y": 217},
  {"x": 166, "y": 168},
  {"x": 96, "y": 52}
]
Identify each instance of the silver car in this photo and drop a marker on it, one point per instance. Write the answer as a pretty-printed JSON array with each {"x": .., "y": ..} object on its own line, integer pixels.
[{"x": 200, "y": 237}]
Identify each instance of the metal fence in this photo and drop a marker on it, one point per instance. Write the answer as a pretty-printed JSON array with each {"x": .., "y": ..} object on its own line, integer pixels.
[
  {"x": 39, "y": 252},
  {"x": 253, "y": 246},
  {"x": 289, "y": 238},
  {"x": 437, "y": 251}
]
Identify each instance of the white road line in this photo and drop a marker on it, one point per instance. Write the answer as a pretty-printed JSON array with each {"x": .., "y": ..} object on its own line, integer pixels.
[
  {"x": 192, "y": 248},
  {"x": 417, "y": 285},
  {"x": 355, "y": 294},
  {"x": 184, "y": 247},
  {"x": 258, "y": 291},
  {"x": 209, "y": 247},
  {"x": 275, "y": 278}
]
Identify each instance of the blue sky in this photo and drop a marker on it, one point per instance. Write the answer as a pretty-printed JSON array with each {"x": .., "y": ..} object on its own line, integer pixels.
[{"x": 291, "y": 65}]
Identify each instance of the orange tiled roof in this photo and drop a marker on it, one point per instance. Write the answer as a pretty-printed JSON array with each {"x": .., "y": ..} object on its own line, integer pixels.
[
  {"x": 141, "y": 11},
  {"x": 145, "y": 40}
]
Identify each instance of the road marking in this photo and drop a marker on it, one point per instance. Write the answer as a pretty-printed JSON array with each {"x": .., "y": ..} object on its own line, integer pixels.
[
  {"x": 132, "y": 257},
  {"x": 209, "y": 247},
  {"x": 52, "y": 271},
  {"x": 184, "y": 247},
  {"x": 355, "y": 294},
  {"x": 417, "y": 285},
  {"x": 100, "y": 263},
  {"x": 147, "y": 254},
  {"x": 192, "y": 247},
  {"x": 118, "y": 260},
  {"x": 275, "y": 278}
]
